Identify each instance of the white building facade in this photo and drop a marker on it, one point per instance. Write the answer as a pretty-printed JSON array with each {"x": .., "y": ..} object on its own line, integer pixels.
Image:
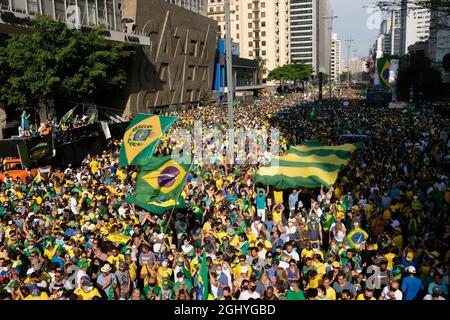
[
  {"x": 260, "y": 27},
  {"x": 335, "y": 57},
  {"x": 310, "y": 33}
]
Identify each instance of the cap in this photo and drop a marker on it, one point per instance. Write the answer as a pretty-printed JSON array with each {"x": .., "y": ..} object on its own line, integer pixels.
[
  {"x": 411, "y": 269},
  {"x": 106, "y": 268},
  {"x": 336, "y": 264},
  {"x": 410, "y": 256},
  {"x": 244, "y": 269}
]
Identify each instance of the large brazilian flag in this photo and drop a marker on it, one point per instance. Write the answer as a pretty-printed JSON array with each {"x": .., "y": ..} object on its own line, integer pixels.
[
  {"x": 142, "y": 136},
  {"x": 384, "y": 66},
  {"x": 310, "y": 165},
  {"x": 159, "y": 184}
]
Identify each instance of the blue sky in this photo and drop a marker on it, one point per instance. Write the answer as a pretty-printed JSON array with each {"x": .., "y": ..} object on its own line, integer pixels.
[{"x": 356, "y": 21}]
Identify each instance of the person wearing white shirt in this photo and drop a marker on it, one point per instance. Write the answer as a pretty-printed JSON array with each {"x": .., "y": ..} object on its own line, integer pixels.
[
  {"x": 248, "y": 292},
  {"x": 392, "y": 292}
]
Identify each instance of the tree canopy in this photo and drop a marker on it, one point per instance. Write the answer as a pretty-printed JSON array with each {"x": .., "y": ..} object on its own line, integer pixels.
[
  {"x": 291, "y": 72},
  {"x": 55, "y": 62}
]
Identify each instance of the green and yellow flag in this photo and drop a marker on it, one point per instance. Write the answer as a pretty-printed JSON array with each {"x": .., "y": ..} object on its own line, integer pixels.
[
  {"x": 308, "y": 165},
  {"x": 68, "y": 116},
  {"x": 203, "y": 280},
  {"x": 384, "y": 66},
  {"x": 93, "y": 118},
  {"x": 159, "y": 184},
  {"x": 142, "y": 136}
]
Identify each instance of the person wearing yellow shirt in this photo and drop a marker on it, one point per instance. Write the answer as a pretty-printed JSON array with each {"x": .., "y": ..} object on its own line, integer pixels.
[
  {"x": 366, "y": 295},
  {"x": 277, "y": 213},
  {"x": 164, "y": 272},
  {"x": 148, "y": 271},
  {"x": 36, "y": 294},
  {"x": 94, "y": 166},
  {"x": 330, "y": 293},
  {"x": 87, "y": 291},
  {"x": 115, "y": 258}
]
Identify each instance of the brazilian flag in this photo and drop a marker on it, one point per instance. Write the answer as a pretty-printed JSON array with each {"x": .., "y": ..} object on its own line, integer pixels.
[
  {"x": 308, "y": 165},
  {"x": 68, "y": 116},
  {"x": 202, "y": 286},
  {"x": 142, "y": 136},
  {"x": 159, "y": 184},
  {"x": 384, "y": 66}
]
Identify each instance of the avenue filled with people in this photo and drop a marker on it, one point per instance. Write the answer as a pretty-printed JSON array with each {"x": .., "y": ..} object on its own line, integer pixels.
[{"x": 381, "y": 232}]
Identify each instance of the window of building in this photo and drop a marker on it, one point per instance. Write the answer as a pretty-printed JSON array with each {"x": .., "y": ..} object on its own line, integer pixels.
[
  {"x": 237, "y": 17},
  {"x": 263, "y": 4},
  {"x": 250, "y": 44},
  {"x": 263, "y": 14},
  {"x": 237, "y": 26},
  {"x": 263, "y": 43},
  {"x": 250, "y": 53},
  {"x": 250, "y": 25},
  {"x": 263, "y": 33},
  {"x": 263, "y": 52},
  {"x": 237, "y": 35},
  {"x": 263, "y": 24},
  {"x": 249, "y": 6},
  {"x": 249, "y": 15},
  {"x": 237, "y": 8},
  {"x": 211, "y": 9},
  {"x": 250, "y": 34}
]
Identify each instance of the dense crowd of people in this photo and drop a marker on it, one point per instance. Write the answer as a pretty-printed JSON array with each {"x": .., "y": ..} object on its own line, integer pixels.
[{"x": 381, "y": 232}]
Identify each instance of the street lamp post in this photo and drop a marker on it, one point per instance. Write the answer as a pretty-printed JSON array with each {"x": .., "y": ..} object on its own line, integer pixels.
[
  {"x": 230, "y": 82},
  {"x": 331, "y": 18}
]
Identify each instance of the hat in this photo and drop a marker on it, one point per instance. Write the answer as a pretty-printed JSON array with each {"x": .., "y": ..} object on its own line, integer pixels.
[
  {"x": 106, "y": 268},
  {"x": 336, "y": 264},
  {"x": 410, "y": 256},
  {"x": 411, "y": 269},
  {"x": 244, "y": 269},
  {"x": 435, "y": 254}
]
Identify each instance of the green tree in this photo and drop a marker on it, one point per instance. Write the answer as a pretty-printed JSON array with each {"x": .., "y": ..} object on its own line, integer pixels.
[
  {"x": 291, "y": 72},
  {"x": 55, "y": 62}
]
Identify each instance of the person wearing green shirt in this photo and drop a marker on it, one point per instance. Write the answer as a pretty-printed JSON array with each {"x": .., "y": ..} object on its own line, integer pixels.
[
  {"x": 152, "y": 290},
  {"x": 294, "y": 292}
]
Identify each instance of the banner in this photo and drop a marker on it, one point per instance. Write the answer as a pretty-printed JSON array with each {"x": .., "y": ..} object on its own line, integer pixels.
[
  {"x": 105, "y": 128},
  {"x": 117, "y": 237}
]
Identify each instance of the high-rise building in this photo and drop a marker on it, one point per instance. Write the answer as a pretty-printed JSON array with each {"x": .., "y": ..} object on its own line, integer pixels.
[
  {"x": 260, "y": 27},
  {"x": 357, "y": 67},
  {"x": 439, "y": 41},
  {"x": 397, "y": 47},
  {"x": 197, "y": 6},
  {"x": 417, "y": 27},
  {"x": 310, "y": 33},
  {"x": 335, "y": 57}
]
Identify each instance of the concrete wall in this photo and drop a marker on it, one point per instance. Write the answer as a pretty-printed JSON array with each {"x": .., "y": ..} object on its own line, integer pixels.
[{"x": 179, "y": 63}]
